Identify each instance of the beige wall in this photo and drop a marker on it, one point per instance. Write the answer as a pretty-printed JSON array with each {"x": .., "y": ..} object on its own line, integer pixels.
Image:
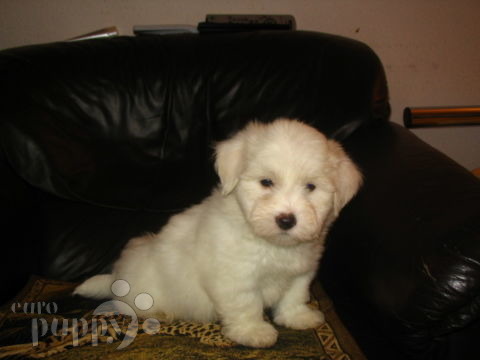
[{"x": 430, "y": 48}]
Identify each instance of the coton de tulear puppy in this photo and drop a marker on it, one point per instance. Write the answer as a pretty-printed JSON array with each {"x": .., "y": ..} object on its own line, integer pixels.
[{"x": 255, "y": 243}]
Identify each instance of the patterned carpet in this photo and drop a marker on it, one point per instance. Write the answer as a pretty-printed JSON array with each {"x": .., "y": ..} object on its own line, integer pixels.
[{"x": 45, "y": 321}]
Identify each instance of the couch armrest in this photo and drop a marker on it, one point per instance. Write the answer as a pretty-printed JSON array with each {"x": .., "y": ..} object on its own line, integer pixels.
[
  {"x": 406, "y": 251},
  {"x": 20, "y": 239}
]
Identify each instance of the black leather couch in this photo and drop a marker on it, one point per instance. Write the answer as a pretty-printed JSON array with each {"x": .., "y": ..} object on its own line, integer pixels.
[{"x": 103, "y": 140}]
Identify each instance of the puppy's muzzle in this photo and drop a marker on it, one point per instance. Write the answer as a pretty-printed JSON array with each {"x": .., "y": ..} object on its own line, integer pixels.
[{"x": 286, "y": 221}]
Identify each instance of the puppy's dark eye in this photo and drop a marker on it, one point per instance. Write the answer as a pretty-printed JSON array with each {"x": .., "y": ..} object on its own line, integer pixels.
[
  {"x": 310, "y": 187},
  {"x": 266, "y": 182}
]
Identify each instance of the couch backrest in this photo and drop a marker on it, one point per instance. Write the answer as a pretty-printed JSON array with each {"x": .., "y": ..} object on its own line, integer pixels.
[{"x": 131, "y": 115}]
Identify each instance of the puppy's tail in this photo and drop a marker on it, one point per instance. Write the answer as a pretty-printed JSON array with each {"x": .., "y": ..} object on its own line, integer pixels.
[{"x": 97, "y": 287}]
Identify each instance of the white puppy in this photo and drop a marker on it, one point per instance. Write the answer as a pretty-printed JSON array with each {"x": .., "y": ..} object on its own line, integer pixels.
[{"x": 254, "y": 243}]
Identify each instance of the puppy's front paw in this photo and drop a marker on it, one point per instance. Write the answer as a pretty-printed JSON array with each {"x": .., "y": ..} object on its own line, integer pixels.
[
  {"x": 257, "y": 334},
  {"x": 300, "y": 317}
]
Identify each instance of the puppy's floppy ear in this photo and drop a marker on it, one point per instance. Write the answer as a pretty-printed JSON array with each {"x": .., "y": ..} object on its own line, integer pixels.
[
  {"x": 347, "y": 178},
  {"x": 229, "y": 161}
]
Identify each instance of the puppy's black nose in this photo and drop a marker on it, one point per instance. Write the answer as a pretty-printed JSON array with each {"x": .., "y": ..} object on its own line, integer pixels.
[{"x": 286, "y": 221}]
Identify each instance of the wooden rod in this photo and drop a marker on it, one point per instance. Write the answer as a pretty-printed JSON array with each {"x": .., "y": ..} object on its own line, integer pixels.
[{"x": 441, "y": 116}]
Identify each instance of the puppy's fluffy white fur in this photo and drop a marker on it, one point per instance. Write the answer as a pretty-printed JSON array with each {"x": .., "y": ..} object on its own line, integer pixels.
[{"x": 254, "y": 243}]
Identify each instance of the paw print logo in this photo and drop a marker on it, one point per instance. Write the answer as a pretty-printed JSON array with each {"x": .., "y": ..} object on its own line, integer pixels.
[{"x": 143, "y": 301}]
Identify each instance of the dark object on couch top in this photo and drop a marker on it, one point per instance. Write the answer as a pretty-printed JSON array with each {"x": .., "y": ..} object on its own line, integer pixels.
[{"x": 103, "y": 140}]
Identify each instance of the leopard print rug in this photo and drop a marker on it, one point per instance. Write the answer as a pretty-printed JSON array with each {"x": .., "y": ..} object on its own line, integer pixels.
[
  {"x": 108, "y": 328},
  {"x": 74, "y": 332}
]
